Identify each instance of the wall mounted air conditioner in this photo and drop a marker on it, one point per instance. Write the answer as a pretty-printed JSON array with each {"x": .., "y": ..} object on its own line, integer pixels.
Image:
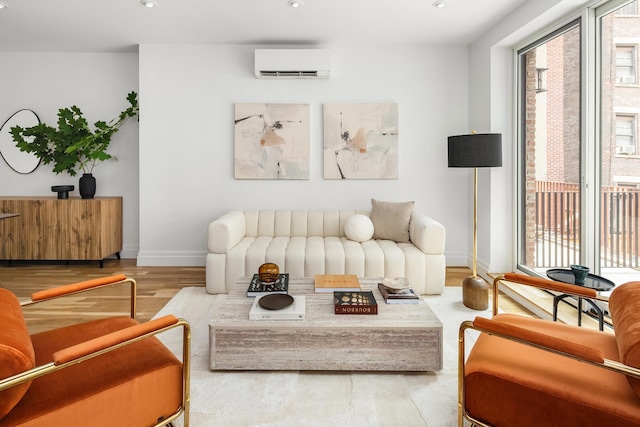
[
  {"x": 626, "y": 79},
  {"x": 292, "y": 63},
  {"x": 625, "y": 149}
]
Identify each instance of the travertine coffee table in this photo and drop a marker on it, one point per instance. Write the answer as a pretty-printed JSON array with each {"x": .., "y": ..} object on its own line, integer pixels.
[{"x": 401, "y": 337}]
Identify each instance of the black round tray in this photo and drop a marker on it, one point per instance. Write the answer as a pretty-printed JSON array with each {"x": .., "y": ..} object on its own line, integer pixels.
[{"x": 592, "y": 281}]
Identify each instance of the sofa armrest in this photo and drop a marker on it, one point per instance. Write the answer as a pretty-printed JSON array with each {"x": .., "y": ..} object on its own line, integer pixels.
[
  {"x": 226, "y": 232},
  {"x": 87, "y": 285},
  {"x": 426, "y": 234},
  {"x": 545, "y": 284},
  {"x": 113, "y": 340}
]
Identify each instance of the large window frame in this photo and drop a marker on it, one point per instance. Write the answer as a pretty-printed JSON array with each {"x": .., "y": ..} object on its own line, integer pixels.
[{"x": 590, "y": 153}]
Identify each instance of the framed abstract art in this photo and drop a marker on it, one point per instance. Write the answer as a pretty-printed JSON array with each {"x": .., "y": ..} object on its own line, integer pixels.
[
  {"x": 361, "y": 141},
  {"x": 272, "y": 141}
]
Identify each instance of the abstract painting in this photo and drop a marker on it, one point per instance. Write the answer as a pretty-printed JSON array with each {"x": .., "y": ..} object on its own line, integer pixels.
[
  {"x": 272, "y": 141},
  {"x": 361, "y": 141}
]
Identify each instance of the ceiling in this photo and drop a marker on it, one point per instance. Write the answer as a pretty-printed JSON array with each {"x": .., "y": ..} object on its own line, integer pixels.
[{"x": 120, "y": 25}]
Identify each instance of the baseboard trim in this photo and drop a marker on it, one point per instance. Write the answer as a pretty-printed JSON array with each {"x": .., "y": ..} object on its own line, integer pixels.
[{"x": 171, "y": 259}]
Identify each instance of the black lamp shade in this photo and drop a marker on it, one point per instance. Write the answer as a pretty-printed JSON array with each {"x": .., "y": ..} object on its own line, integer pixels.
[{"x": 477, "y": 150}]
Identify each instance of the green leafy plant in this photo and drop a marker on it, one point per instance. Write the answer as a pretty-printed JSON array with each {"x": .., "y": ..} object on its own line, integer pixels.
[{"x": 73, "y": 145}]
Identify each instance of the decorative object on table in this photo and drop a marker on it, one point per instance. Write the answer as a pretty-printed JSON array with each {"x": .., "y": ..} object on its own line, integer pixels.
[
  {"x": 336, "y": 282},
  {"x": 591, "y": 281},
  {"x": 361, "y": 141},
  {"x": 272, "y": 141},
  {"x": 18, "y": 160},
  {"x": 580, "y": 273},
  {"x": 259, "y": 288},
  {"x": 475, "y": 151},
  {"x": 275, "y": 301},
  {"x": 87, "y": 186},
  {"x": 62, "y": 190},
  {"x": 396, "y": 283},
  {"x": 358, "y": 228},
  {"x": 294, "y": 311},
  {"x": 268, "y": 272},
  {"x": 398, "y": 296},
  {"x": 362, "y": 302},
  {"x": 73, "y": 146}
]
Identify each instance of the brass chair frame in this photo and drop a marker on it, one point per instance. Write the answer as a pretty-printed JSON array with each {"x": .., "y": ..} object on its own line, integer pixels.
[
  {"x": 609, "y": 364},
  {"x": 51, "y": 367}
]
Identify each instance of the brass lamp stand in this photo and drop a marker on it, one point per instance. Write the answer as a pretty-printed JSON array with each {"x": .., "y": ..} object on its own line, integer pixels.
[{"x": 475, "y": 151}]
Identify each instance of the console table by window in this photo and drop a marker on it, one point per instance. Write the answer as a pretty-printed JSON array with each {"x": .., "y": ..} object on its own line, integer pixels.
[{"x": 49, "y": 228}]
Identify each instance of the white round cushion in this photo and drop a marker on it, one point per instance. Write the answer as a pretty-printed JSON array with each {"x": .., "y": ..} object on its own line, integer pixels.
[{"x": 358, "y": 228}]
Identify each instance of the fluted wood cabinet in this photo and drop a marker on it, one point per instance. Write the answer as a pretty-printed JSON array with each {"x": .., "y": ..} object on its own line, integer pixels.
[{"x": 49, "y": 228}]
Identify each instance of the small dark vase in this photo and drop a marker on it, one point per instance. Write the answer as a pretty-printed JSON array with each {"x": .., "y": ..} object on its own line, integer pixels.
[{"x": 87, "y": 186}]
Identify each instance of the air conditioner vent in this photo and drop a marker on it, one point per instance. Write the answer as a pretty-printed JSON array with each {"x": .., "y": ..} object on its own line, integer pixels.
[
  {"x": 290, "y": 74},
  {"x": 292, "y": 63},
  {"x": 626, "y": 79},
  {"x": 625, "y": 149}
]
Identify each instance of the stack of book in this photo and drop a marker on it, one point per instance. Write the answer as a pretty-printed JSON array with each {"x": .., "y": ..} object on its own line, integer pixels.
[
  {"x": 259, "y": 288},
  {"x": 362, "y": 302},
  {"x": 398, "y": 296}
]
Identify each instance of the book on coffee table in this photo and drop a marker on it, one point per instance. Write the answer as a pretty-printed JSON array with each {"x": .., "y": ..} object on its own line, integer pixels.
[
  {"x": 336, "y": 283},
  {"x": 295, "y": 311},
  {"x": 355, "y": 303},
  {"x": 398, "y": 296},
  {"x": 259, "y": 288}
]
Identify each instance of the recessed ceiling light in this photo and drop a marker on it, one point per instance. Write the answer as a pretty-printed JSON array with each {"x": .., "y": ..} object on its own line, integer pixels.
[
  {"x": 439, "y": 4},
  {"x": 3, "y": 6},
  {"x": 294, "y": 3},
  {"x": 148, "y": 3}
]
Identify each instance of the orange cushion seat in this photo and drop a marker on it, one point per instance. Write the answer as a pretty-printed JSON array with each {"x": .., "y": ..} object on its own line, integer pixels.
[
  {"x": 545, "y": 389},
  {"x": 144, "y": 375}
]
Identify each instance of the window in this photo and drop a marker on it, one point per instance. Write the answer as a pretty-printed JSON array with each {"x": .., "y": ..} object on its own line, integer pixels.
[
  {"x": 541, "y": 80},
  {"x": 625, "y": 134},
  {"x": 550, "y": 152},
  {"x": 630, "y": 9},
  {"x": 578, "y": 188},
  {"x": 625, "y": 64}
]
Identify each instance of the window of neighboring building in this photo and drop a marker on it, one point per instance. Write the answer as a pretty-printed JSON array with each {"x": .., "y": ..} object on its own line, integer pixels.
[
  {"x": 630, "y": 9},
  {"x": 626, "y": 64},
  {"x": 625, "y": 134}
]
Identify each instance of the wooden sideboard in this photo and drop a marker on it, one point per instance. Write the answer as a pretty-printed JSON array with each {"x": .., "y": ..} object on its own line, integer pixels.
[{"x": 49, "y": 228}]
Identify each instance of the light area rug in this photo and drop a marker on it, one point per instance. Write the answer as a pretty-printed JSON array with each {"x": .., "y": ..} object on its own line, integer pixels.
[{"x": 318, "y": 399}]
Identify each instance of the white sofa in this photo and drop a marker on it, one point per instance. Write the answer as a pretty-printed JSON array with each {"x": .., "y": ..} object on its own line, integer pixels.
[{"x": 304, "y": 243}]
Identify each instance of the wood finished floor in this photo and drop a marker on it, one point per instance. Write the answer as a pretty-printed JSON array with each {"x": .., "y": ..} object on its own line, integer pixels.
[{"x": 156, "y": 286}]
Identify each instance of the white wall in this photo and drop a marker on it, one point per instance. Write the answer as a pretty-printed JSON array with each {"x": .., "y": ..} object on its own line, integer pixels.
[
  {"x": 188, "y": 94},
  {"x": 98, "y": 84}
]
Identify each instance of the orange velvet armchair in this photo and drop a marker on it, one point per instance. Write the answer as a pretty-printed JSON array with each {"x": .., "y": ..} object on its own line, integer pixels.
[
  {"x": 106, "y": 372},
  {"x": 524, "y": 371}
]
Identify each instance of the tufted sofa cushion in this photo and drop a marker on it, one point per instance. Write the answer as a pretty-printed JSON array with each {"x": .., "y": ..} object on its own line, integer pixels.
[
  {"x": 16, "y": 350},
  {"x": 624, "y": 305}
]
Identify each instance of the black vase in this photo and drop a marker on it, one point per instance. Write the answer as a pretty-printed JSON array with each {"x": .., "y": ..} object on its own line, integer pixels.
[{"x": 87, "y": 186}]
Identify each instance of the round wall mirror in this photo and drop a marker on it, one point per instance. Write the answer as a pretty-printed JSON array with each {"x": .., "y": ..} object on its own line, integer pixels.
[{"x": 17, "y": 160}]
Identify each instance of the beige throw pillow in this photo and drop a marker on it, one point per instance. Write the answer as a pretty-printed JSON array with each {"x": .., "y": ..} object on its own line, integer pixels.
[{"x": 391, "y": 220}]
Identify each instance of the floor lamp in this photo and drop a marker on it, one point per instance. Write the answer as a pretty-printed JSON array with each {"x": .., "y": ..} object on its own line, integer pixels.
[{"x": 477, "y": 150}]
